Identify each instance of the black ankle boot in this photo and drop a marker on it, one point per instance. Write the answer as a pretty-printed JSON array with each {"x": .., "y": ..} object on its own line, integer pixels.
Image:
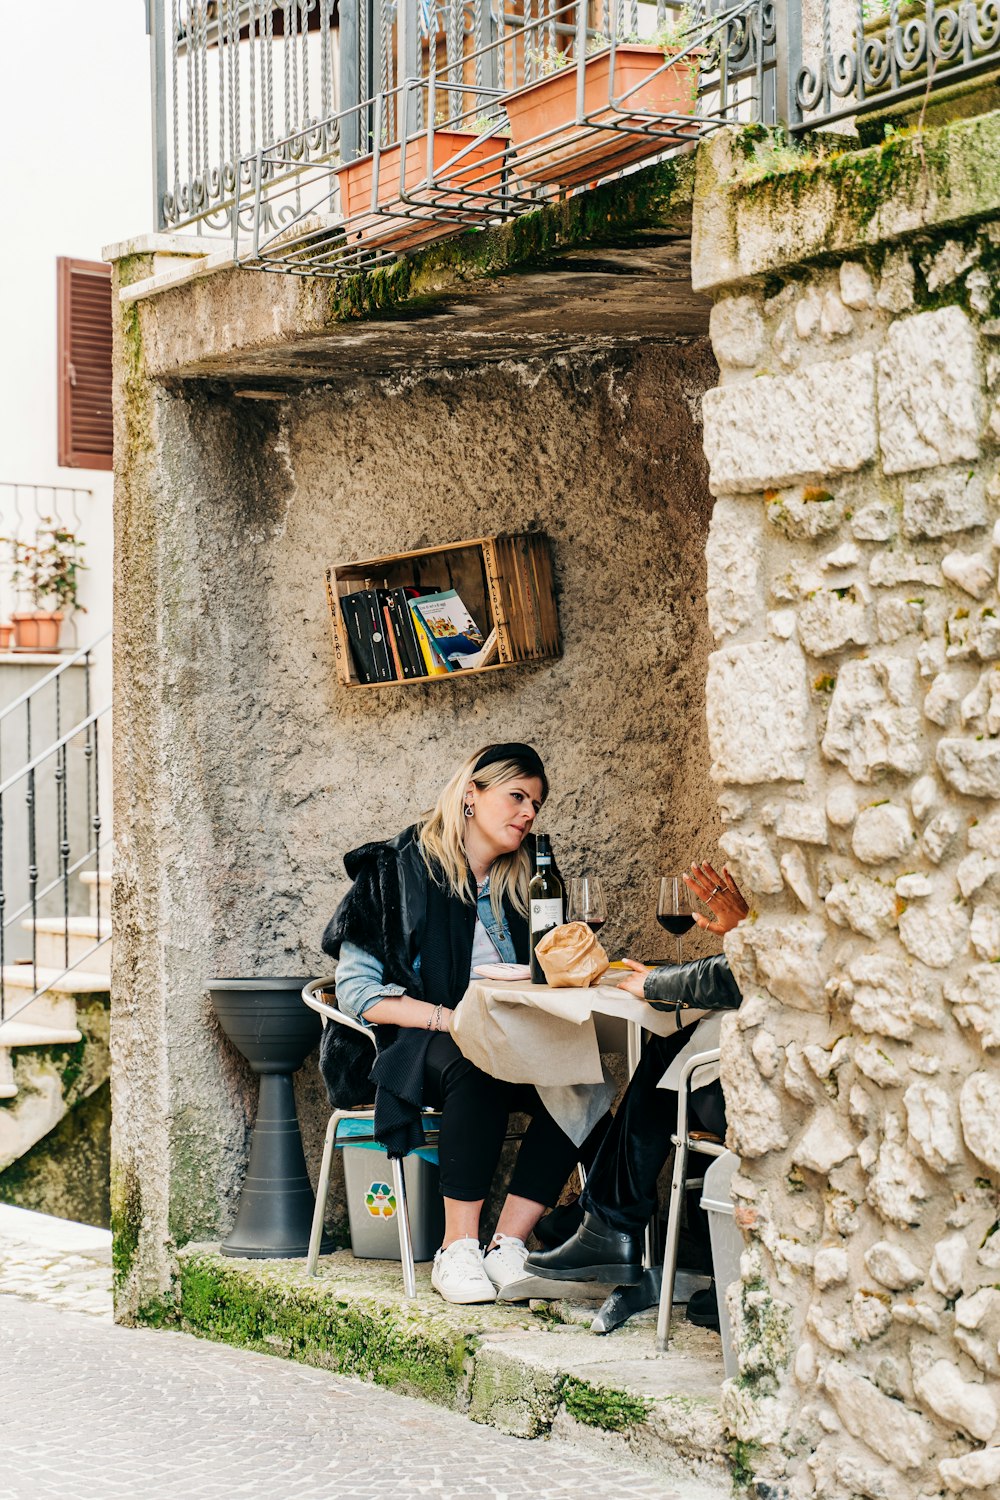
[
  {"x": 557, "y": 1226},
  {"x": 595, "y": 1253}
]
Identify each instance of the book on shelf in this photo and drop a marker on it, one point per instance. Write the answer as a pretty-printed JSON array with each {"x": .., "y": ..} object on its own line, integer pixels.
[
  {"x": 366, "y": 631},
  {"x": 433, "y": 665},
  {"x": 390, "y": 636},
  {"x": 450, "y": 629},
  {"x": 408, "y": 632},
  {"x": 408, "y": 646}
]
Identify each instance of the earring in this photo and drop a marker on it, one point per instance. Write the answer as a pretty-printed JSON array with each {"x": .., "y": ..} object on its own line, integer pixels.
[{"x": 470, "y": 811}]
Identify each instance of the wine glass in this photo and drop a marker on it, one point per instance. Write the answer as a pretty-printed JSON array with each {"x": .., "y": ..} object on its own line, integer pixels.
[
  {"x": 586, "y": 902},
  {"x": 673, "y": 909}
]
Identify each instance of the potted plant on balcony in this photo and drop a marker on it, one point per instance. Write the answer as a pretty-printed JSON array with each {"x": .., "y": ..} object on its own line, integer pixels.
[
  {"x": 551, "y": 146},
  {"x": 46, "y": 571},
  {"x": 415, "y": 207}
]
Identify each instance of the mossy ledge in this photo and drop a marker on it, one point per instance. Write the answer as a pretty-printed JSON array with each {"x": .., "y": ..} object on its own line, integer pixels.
[
  {"x": 598, "y": 1406},
  {"x": 838, "y": 203},
  {"x": 268, "y": 1307},
  {"x": 502, "y": 1366},
  {"x": 612, "y": 214}
]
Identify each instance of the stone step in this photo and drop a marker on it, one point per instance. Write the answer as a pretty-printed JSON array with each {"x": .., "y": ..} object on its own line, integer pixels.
[
  {"x": 91, "y": 880},
  {"x": 530, "y": 1374},
  {"x": 83, "y": 932},
  {"x": 58, "y": 1012},
  {"x": 18, "y": 1033},
  {"x": 8, "y": 1088},
  {"x": 22, "y": 977}
]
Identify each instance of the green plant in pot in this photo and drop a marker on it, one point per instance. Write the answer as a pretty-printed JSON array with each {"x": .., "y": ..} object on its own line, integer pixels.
[
  {"x": 47, "y": 572},
  {"x": 636, "y": 102}
]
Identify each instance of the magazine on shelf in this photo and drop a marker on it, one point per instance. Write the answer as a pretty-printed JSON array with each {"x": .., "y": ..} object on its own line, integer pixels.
[{"x": 452, "y": 632}]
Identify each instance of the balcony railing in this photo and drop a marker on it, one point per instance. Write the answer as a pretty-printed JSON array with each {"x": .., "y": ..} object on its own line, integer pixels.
[
  {"x": 30, "y": 514},
  {"x": 259, "y": 104},
  {"x": 869, "y": 57},
  {"x": 53, "y": 830}
]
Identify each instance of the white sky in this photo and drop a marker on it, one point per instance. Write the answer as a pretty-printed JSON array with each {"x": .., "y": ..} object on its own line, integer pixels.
[
  {"x": 74, "y": 109},
  {"x": 75, "y": 175}
]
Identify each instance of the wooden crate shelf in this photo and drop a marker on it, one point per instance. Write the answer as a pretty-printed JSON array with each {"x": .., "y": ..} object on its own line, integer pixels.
[{"x": 506, "y": 583}]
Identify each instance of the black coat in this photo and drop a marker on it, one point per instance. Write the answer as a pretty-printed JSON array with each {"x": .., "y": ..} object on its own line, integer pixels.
[
  {"x": 702, "y": 984},
  {"x": 395, "y": 911}
]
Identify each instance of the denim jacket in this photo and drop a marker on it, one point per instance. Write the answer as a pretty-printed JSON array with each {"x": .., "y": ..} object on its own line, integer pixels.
[{"x": 359, "y": 974}]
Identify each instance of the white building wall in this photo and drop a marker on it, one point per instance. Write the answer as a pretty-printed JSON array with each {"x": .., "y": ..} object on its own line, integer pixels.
[{"x": 74, "y": 107}]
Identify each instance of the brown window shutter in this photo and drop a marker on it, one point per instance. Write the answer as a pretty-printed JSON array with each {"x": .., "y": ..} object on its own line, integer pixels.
[{"x": 84, "y": 323}]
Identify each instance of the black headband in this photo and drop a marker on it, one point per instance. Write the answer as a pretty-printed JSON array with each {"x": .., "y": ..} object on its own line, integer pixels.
[{"x": 527, "y": 759}]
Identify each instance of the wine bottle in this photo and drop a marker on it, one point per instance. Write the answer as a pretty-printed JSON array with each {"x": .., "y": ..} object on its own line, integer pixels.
[{"x": 545, "y": 901}]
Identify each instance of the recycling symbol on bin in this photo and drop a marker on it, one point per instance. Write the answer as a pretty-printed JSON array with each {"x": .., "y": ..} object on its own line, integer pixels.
[{"x": 380, "y": 1200}]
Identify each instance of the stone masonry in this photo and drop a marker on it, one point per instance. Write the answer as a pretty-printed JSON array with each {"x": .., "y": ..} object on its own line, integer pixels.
[{"x": 854, "y": 727}]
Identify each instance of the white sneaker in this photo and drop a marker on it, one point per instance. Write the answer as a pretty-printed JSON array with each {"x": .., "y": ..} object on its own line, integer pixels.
[
  {"x": 505, "y": 1262},
  {"x": 459, "y": 1276}
]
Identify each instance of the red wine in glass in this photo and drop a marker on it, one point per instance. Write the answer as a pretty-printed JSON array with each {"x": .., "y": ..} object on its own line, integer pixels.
[
  {"x": 586, "y": 902},
  {"x": 675, "y": 922},
  {"x": 673, "y": 909}
]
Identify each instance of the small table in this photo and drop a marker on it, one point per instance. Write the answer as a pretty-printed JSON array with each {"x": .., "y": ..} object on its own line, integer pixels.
[{"x": 553, "y": 1039}]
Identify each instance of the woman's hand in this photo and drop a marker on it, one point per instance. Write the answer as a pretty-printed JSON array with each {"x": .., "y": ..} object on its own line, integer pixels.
[
  {"x": 720, "y": 894},
  {"x": 635, "y": 981}
]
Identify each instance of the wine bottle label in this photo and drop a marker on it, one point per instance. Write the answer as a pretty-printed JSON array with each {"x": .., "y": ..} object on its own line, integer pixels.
[{"x": 546, "y": 913}]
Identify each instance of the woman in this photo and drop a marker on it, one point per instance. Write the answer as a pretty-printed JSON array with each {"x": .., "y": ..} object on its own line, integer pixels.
[{"x": 445, "y": 895}]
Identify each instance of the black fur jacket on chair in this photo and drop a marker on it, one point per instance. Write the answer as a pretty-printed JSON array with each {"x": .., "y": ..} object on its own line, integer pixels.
[{"x": 422, "y": 936}]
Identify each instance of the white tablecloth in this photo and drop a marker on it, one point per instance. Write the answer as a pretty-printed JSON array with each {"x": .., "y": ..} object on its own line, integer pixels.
[{"x": 528, "y": 1033}]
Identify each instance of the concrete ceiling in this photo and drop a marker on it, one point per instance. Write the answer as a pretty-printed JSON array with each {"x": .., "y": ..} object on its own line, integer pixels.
[{"x": 586, "y": 299}]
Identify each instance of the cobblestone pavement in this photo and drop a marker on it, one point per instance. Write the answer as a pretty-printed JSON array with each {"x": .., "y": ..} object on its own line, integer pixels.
[
  {"x": 48, "y": 1260},
  {"x": 92, "y": 1411}
]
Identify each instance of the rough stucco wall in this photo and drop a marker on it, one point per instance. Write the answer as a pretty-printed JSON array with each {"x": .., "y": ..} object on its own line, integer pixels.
[
  {"x": 266, "y": 770},
  {"x": 853, "y": 725}
]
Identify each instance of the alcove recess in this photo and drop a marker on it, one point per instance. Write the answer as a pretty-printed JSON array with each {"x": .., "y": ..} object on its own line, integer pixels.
[{"x": 506, "y": 583}]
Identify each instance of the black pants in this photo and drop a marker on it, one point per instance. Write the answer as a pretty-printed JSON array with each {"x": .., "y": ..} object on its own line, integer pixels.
[
  {"x": 621, "y": 1183},
  {"x": 474, "y": 1112}
]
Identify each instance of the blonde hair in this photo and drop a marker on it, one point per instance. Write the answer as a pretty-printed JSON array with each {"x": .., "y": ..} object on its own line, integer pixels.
[{"x": 441, "y": 835}]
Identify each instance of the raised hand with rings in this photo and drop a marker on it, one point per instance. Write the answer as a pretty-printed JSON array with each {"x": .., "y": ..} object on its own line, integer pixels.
[{"x": 720, "y": 894}]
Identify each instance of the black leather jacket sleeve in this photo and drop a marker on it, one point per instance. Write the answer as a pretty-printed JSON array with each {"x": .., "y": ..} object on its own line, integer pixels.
[{"x": 702, "y": 984}]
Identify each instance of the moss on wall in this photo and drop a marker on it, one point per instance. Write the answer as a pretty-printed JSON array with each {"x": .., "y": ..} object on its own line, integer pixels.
[
  {"x": 600, "y": 1406},
  {"x": 360, "y": 1337},
  {"x": 67, "y": 1173}
]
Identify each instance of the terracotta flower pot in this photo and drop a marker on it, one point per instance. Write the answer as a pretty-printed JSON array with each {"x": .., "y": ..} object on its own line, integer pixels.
[
  {"x": 477, "y": 174},
  {"x": 569, "y": 153},
  {"x": 37, "y": 630},
  {"x": 6, "y": 637}
]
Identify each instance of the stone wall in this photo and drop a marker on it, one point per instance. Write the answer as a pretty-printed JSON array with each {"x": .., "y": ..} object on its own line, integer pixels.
[
  {"x": 245, "y": 771},
  {"x": 854, "y": 727}
]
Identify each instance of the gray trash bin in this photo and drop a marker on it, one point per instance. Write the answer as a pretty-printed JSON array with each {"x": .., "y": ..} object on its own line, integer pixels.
[
  {"x": 371, "y": 1203},
  {"x": 727, "y": 1245}
]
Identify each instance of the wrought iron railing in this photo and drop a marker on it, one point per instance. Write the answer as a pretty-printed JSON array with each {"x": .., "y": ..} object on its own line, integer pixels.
[
  {"x": 52, "y": 829},
  {"x": 432, "y": 148},
  {"x": 259, "y": 104},
  {"x": 879, "y": 53},
  {"x": 33, "y": 515},
  {"x": 229, "y": 76},
  {"x": 256, "y": 101}
]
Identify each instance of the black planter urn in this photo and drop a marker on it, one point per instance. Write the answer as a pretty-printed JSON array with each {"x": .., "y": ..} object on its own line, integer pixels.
[{"x": 267, "y": 1021}]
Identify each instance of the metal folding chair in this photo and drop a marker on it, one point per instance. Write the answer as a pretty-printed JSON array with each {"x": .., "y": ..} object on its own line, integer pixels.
[
  {"x": 313, "y": 995},
  {"x": 684, "y": 1143}
]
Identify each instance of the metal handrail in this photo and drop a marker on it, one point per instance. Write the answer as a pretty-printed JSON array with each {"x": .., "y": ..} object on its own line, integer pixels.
[
  {"x": 52, "y": 832},
  {"x": 58, "y": 744},
  {"x": 48, "y": 889},
  {"x": 42, "y": 682}
]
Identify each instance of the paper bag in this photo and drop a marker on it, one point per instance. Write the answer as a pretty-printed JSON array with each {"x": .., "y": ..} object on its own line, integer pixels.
[{"x": 571, "y": 957}]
